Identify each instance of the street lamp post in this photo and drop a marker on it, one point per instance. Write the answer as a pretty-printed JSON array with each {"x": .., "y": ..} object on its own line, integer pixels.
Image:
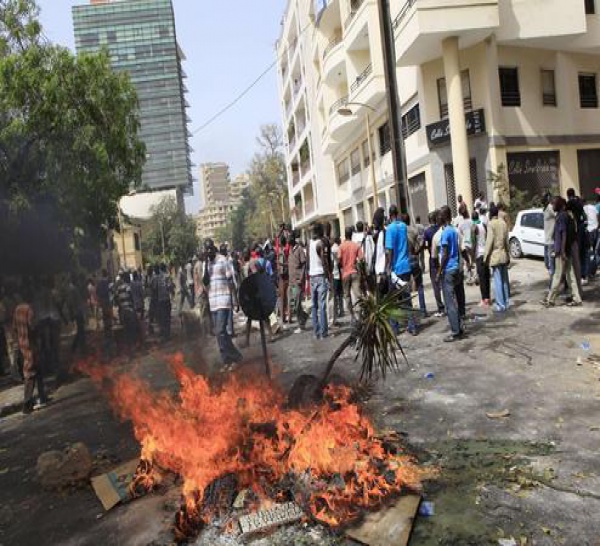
[{"x": 345, "y": 111}]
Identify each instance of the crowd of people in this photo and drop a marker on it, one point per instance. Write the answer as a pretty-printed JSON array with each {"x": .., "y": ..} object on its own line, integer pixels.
[{"x": 322, "y": 277}]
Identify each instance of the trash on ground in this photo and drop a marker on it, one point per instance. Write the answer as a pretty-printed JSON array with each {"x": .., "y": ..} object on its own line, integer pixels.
[
  {"x": 586, "y": 346},
  {"x": 113, "y": 488},
  {"x": 498, "y": 415},
  {"x": 429, "y": 375},
  {"x": 388, "y": 526},
  {"x": 280, "y": 514},
  {"x": 507, "y": 542},
  {"x": 427, "y": 509}
]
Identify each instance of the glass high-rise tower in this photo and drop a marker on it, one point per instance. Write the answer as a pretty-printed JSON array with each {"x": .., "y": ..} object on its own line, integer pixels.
[{"x": 141, "y": 39}]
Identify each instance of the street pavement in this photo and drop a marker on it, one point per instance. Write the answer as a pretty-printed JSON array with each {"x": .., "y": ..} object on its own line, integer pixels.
[{"x": 531, "y": 474}]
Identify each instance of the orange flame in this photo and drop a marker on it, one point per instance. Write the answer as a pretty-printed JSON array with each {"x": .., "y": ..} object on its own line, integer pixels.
[{"x": 242, "y": 427}]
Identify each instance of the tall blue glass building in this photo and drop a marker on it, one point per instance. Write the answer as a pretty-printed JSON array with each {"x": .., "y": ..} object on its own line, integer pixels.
[{"x": 141, "y": 39}]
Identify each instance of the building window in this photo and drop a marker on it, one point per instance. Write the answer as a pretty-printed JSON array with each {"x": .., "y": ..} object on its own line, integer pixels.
[
  {"x": 343, "y": 171},
  {"x": 385, "y": 139},
  {"x": 509, "y": 86},
  {"x": 136, "y": 242},
  {"x": 548, "y": 88},
  {"x": 590, "y": 7},
  {"x": 355, "y": 161},
  {"x": 111, "y": 36},
  {"x": 465, "y": 81},
  {"x": 588, "y": 92},
  {"x": 411, "y": 121}
]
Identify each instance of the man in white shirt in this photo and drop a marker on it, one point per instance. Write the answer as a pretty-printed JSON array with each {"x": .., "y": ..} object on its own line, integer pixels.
[{"x": 318, "y": 270}]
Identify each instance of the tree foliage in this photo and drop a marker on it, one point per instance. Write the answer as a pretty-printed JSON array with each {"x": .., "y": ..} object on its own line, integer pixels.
[
  {"x": 264, "y": 204},
  {"x": 69, "y": 146},
  {"x": 177, "y": 231}
]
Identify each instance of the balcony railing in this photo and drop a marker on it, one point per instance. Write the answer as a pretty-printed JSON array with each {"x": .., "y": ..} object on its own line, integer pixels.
[
  {"x": 295, "y": 178},
  {"x": 338, "y": 104},
  {"x": 305, "y": 167},
  {"x": 332, "y": 43},
  {"x": 361, "y": 78},
  {"x": 292, "y": 48},
  {"x": 400, "y": 17},
  {"x": 354, "y": 7},
  {"x": 297, "y": 87}
]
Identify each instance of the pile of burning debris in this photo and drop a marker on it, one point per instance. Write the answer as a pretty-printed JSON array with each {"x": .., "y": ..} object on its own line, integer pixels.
[{"x": 248, "y": 462}]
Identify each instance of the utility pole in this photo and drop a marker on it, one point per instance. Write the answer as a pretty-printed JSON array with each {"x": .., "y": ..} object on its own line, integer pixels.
[{"x": 393, "y": 100}]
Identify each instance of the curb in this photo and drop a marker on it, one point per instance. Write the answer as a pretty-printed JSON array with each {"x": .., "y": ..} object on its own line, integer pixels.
[{"x": 10, "y": 409}]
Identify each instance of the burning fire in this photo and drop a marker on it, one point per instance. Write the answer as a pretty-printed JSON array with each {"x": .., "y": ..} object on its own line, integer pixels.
[{"x": 242, "y": 427}]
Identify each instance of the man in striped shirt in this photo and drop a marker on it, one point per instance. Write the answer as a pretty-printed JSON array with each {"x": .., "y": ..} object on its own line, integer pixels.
[{"x": 218, "y": 277}]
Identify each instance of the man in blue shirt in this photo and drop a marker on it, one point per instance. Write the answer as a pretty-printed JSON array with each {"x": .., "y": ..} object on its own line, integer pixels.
[
  {"x": 450, "y": 273},
  {"x": 398, "y": 262}
]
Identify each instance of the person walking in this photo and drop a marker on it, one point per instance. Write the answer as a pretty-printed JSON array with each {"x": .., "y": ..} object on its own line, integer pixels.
[
  {"x": 348, "y": 255},
  {"x": 398, "y": 264},
  {"x": 379, "y": 254},
  {"x": 549, "y": 223},
  {"x": 428, "y": 237},
  {"x": 320, "y": 275},
  {"x": 338, "y": 290},
  {"x": 137, "y": 293},
  {"x": 449, "y": 274},
  {"x": 565, "y": 235},
  {"x": 575, "y": 207},
  {"x": 483, "y": 271},
  {"x": 297, "y": 272},
  {"x": 282, "y": 249},
  {"x": 127, "y": 312},
  {"x": 183, "y": 289},
  {"x": 415, "y": 242},
  {"x": 217, "y": 281},
  {"x": 592, "y": 238},
  {"x": 421, "y": 238},
  {"x": 497, "y": 257},
  {"x": 24, "y": 331},
  {"x": 162, "y": 287}
]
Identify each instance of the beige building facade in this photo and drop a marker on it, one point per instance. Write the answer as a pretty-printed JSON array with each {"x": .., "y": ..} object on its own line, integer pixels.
[
  {"x": 509, "y": 88},
  {"x": 221, "y": 197}
]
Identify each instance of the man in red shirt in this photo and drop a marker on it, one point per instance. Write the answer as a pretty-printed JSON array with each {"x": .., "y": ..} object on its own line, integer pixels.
[{"x": 348, "y": 255}]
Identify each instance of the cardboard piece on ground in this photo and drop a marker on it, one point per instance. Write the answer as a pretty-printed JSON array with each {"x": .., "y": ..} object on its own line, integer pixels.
[
  {"x": 391, "y": 526},
  {"x": 112, "y": 488}
]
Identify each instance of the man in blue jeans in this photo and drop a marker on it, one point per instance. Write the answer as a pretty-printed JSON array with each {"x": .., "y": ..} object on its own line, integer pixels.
[
  {"x": 449, "y": 273},
  {"x": 319, "y": 271},
  {"x": 398, "y": 263},
  {"x": 217, "y": 280}
]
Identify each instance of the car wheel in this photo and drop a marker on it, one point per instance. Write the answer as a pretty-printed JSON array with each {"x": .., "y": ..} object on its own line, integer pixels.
[{"x": 515, "y": 249}]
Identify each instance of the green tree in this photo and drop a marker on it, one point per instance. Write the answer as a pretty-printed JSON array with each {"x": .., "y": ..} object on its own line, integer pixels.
[
  {"x": 69, "y": 146},
  {"x": 170, "y": 235},
  {"x": 264, "y": 204}
]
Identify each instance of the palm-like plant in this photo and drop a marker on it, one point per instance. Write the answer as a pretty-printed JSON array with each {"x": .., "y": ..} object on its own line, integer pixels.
[{"x": 373, "y": 335}]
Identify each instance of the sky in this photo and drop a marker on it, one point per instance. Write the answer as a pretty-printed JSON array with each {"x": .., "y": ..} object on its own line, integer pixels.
[{"x": 228, "y": 44}]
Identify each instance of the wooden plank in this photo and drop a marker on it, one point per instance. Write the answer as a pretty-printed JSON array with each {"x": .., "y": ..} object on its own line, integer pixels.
[{"x": 391, "y": 526}]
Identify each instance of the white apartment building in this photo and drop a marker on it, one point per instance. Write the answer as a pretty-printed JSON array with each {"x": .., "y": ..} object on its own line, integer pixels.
[
  {"x": 502, "y": 86},
  {"x": 311, "y": 177}
]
